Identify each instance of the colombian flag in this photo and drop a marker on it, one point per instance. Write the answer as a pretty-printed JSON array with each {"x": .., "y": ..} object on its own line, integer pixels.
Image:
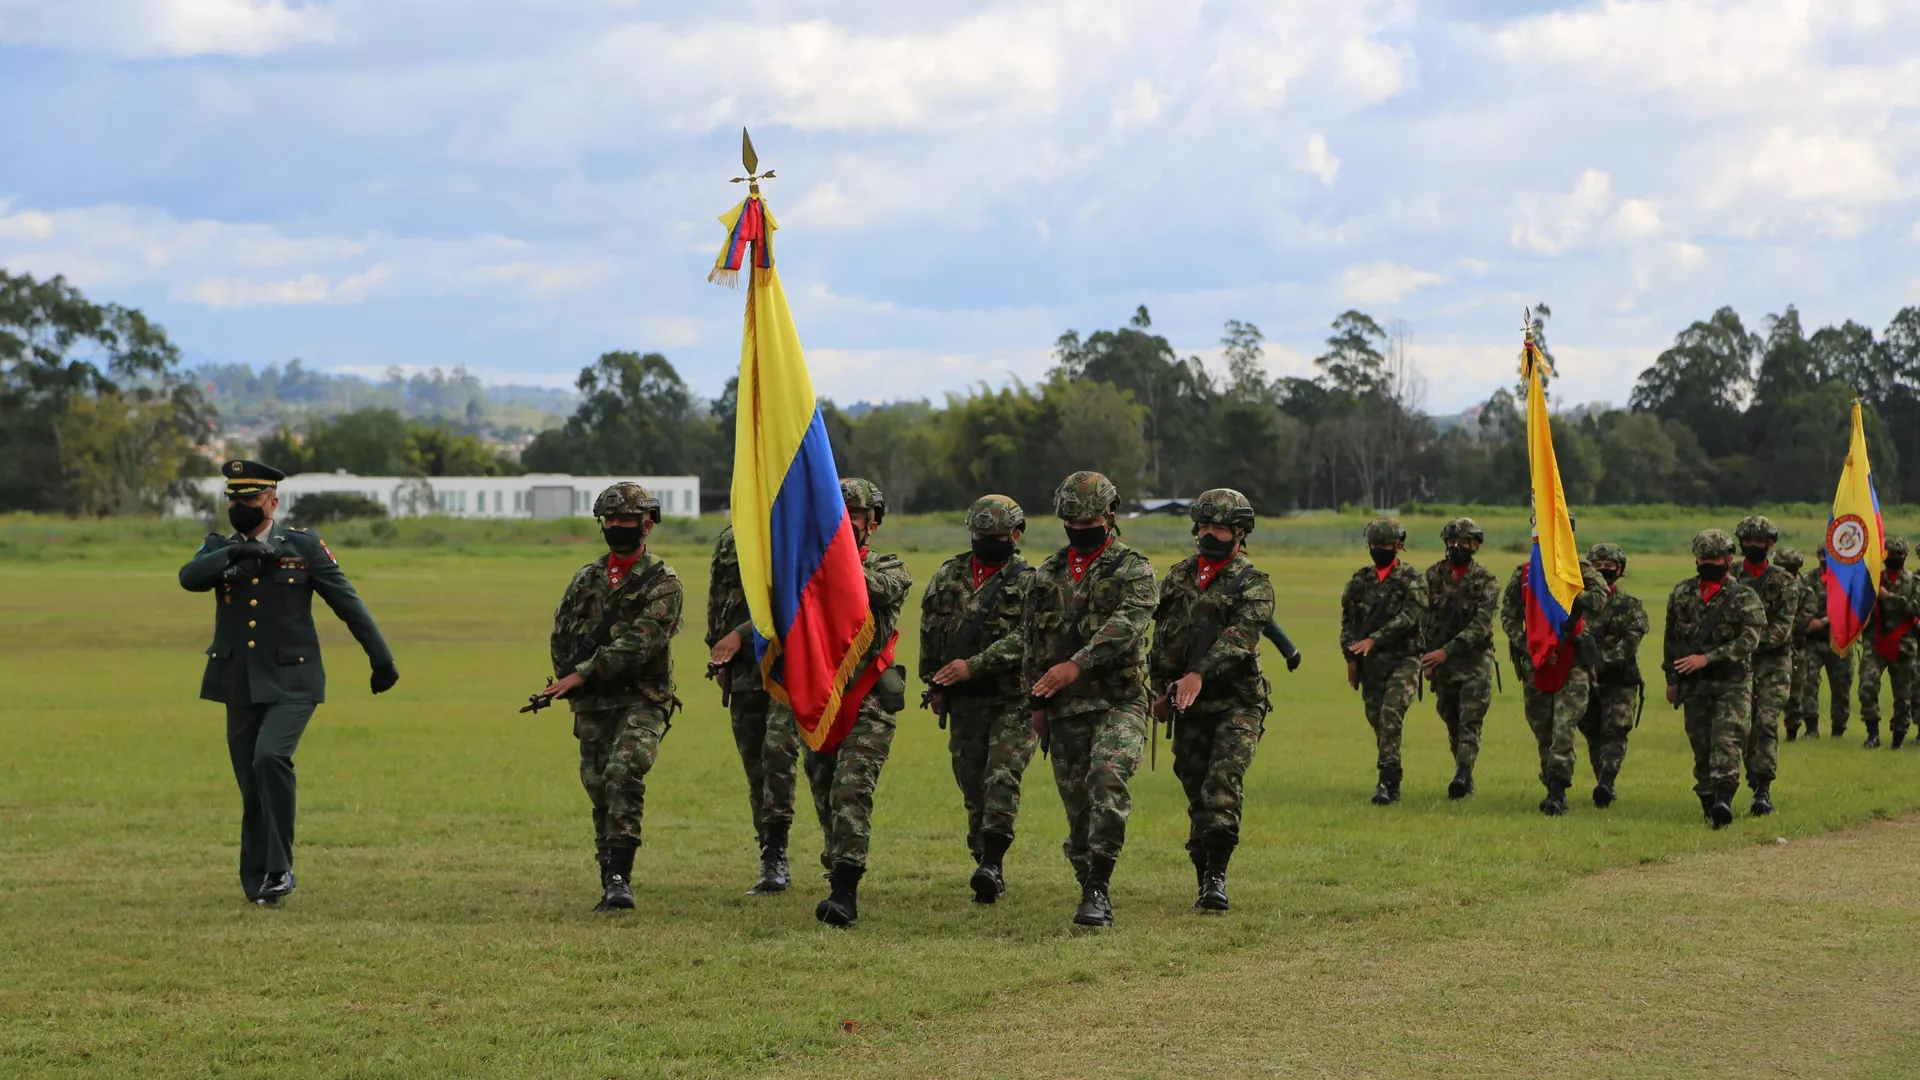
[
  {"x": 798, "y": 561},
  {"x": 1553, "y": 572},
  {"x": 1856, "y": 544}
]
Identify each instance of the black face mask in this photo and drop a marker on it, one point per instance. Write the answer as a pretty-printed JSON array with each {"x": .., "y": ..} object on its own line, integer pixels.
[
  {"x": 1459, "y": 556},
  {"x": 1712, "y": 571},
  {"x": 1754, "y": 554},
  {"x": 1213, "y": 547},
  {"x": 993, "y": 550},
  {"x": 245, "y": 517},
  {"x": 1383, "y": 557},
  {"x": 1898, "y": 562},
  {"x": 623, "y": 538},
  {"x": 1610, "y": 575},
  {"x": 1086, "y": 541}
]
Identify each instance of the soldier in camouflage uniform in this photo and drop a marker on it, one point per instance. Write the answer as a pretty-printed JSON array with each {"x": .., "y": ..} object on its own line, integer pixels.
[
  {"x": 1613, "y": 707},
  {"x": 1088, "y": 615},
  {"x": 1714, "y": 622},
  {"x": 1891, "y": 646},
  {"x": 1554, "y": 717},
  {"x": 843, "y": 780},
  {"x": 769, "y": 753},
  {"x": 1206, "y": 679},
  {"x": 1462, "y": 599},
  {"x": 1772, "y": 658},
  {"x": 1381, "y": 611},
  {"x": 970, "y": 658},
  {"x": 1791, "y": 720},
  {"x": 610, "y": 649},
  {"x": 1822, "y": 659}
]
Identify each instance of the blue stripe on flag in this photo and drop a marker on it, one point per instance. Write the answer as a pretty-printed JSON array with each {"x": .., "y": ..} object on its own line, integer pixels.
[{"x": 806, "y": 515}]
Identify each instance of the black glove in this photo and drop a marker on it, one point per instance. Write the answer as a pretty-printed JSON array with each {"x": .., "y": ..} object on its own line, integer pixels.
[
  {"x": 249, "y": 549},
  {"x": 1293, "y": 662},
  {"x": 384, "y": 677}
]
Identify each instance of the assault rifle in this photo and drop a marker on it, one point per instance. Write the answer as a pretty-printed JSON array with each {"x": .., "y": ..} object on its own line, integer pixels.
[{"x": 593, "y": 642}]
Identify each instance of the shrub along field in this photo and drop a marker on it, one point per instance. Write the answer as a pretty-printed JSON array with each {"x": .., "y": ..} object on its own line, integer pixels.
[{"x": 442, "y": 925}]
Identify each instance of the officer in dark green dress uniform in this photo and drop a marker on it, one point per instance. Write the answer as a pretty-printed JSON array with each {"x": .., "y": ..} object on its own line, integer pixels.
[{"x": 264, "y": 663}]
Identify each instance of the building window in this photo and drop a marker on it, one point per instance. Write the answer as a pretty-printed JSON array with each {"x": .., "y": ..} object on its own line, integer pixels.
[
  {"x": 519, "y": 501},
  {"x": 666, "y": 501}
]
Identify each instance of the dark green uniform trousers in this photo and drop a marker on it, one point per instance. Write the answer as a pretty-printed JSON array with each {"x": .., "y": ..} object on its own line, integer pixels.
[{"x": 261, "y": 740}]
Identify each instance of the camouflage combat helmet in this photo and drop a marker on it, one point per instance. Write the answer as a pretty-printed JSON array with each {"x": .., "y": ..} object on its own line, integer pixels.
[
  {"x": 1385, "y": 532},
  {"x": 1221, "y": 506},
  {"x": 1608, "y": 552},
  {"x": 1756, "y": 527},
  {"x": 995, "y": 514},
  {"x": 1789, "y": 559},
  {"x": 1085, "y": 496},
  {"x": 627, "y": 497},
  {"x": 1462, "y": 528},
  {"x": 1713, "y": 544},
  {"x": 862, "y": 495},
  {"x": 1896, "y": 547}
]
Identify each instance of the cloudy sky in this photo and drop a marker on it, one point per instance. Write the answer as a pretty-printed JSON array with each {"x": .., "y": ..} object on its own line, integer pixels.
[{"x": 519, "y": 185}]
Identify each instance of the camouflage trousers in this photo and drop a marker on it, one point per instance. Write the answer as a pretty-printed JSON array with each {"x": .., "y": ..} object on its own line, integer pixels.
[
  {"x": 843, "y": 784},
  {"x": 1462, "y": 701},
  {"x": 1555, "y": 719},
  {"x": 1838, "y": 668},
  {"x": 1903, "y": 669},
  {"x": 1793, "y": 719},
  {"x": 1094, "y": 755},
  {"x": 991, "y": 741},
  {"x": 769, "y": 754},
  {"x": 617, "y": 750},
  {"x": 1211, "y": 754},
  {"x": 1715, "y": 713},
  {"x": 1611, "y": 710},
  {"x": 1772, "y": 683},
  {"x": 1387, "y": 688}
]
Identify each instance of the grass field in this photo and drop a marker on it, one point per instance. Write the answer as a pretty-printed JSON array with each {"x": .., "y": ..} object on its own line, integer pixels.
[{"x": 441, "y": 927}]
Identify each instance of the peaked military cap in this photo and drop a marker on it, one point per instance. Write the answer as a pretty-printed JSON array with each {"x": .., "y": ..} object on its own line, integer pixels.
[{"x": 250, "y": 477}]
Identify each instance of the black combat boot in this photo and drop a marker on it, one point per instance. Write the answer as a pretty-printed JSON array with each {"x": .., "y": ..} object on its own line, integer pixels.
[
  {"x": 275, "y": 888},
  {"x": 1095, "y": 908},
  {"x": 1899, "y": 740},
  {"x": 1198, "y": 856},
  {"x": 1721, "y": 813},
  {"x": 1762, "y": 799},
  {"x": 1555, "y": 803},
  {"x": 1462, "y": 785},
  {"x": 1706, "y": 804},
  {"x": 989, "y": 878},
  {"x": 842, "y": 907},
  {"x": 1873, "y": 737},
  {"x": 1793, "y": 730},
  {"x": 1213, "y": 881},
  {"x": 617, "y": 892},
  {"x": 1813, "y": 727},
  {"x": 1603, "y": 794},
  {"x": 773, "y": 860}
]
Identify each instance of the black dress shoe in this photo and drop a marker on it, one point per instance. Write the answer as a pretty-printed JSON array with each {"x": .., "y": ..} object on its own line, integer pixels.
[{"x": 275, "y": 888}]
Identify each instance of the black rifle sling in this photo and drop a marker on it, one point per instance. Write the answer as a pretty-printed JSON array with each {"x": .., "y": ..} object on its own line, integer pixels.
[
  {"x": 611, "y": 615},
  {"x": 1716, "y": 614},
  {"x": 1207, "y": 633},
  {"x": 986, "y": 600}
]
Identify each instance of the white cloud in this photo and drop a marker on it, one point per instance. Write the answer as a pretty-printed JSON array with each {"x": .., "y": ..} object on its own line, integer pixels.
[
  {"x": 1637, "y": 219},
  {"x": 1320, "y": 160},
  {"x": 1549, "y": 226},
  {"x": 1381, "y": 282},
  {"x": 1825, "y": 167},
  {"x": 309, "y": 288},
  {"x": 1139, "y": 103},
  {"x": 168, "y": 28}
]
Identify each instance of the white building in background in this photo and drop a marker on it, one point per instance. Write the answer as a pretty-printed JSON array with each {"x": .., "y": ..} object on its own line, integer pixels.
[{"x": 535, "y": 495}]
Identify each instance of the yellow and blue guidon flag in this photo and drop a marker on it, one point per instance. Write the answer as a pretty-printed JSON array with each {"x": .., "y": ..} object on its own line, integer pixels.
[
  {"x": 1856, "y": 547},
  {"x": 799, "y": 564},
  {"x": 1553, "y": 572}
]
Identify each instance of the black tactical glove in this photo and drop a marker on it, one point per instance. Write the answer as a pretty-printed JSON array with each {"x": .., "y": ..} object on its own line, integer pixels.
[
  {"x": 1293, "y": 662},
  {"x": 249, "y": 549},
  {"x": 384, "y": 677}
]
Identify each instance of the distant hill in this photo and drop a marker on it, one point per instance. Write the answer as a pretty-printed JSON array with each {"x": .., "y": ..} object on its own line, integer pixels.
[{"x": 253, "y": 400}]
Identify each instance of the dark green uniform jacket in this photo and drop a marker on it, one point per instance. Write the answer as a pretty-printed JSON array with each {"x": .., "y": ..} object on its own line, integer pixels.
[{"x": 263, "y": 616}]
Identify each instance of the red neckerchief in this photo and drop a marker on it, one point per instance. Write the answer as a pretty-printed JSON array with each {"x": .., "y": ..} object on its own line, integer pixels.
[
  {"x": 1709, "y": 590},
  {"x": 1206, "y": 568},
  {"x": 1077, "y": 563},
  {"x": 863, "y": 553},
  {"x": 618, "y": 565},
  {"x": 1381, "y": 572},
  {"x": 981, "y": 572},
  {"x": 1757, "y": 573},
  {"x": 1461, "y": 571}
]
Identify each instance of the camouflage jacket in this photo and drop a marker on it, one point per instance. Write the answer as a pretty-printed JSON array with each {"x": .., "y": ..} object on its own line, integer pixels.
[
  {"x": 1114, "y": 600},
  {"x": 1901, "y": 604},
  {"x": 1513, "y": 612},
  {"x": 1391, "y": 612},
  {"x": 888, "y": 584},
  {"x": 727, "y": 613},
  {"x": 1225, "y": 619},
  {"x": 1813, "y": 605},
  {"x": 1778, "y": 591},
  {"x": 994, "y": 653},
  {"x": 1619, "y": 622},
  {"x": 636, "y": 663},
  {"x": 1729, "y": 643},
  {"x": 1459, "y": 617}
]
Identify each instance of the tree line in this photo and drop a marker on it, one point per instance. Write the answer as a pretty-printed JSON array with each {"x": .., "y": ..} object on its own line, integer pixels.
[{"x": 96, "y": 417}]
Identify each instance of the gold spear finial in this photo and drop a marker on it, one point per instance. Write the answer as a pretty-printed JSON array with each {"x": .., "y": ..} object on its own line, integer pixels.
[{"x": 752, "y": 161}]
